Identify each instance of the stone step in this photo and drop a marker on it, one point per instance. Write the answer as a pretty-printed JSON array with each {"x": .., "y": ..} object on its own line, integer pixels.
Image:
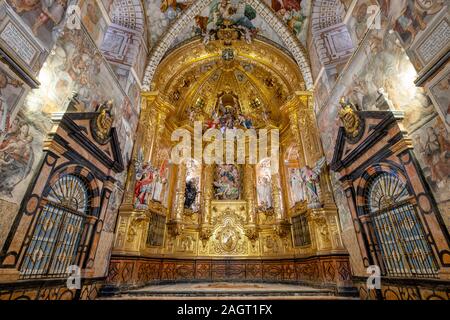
[{"x": 225, "y": 290}]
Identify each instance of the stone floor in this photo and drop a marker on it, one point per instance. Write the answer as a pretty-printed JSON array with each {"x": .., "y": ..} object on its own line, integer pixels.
[{"x": 226, "y": 291}]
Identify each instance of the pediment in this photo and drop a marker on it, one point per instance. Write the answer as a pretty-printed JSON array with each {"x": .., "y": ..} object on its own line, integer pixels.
[
  {"x": 375, "y": 125},
  {"x": 78, "y": 126}
]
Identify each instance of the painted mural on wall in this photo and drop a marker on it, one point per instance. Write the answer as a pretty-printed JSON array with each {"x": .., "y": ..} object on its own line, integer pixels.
[
  {"x": 20, "y": 150},
  {"x": 93, "y": 20},
  {"x": 432, "y": 148},
  {"x": 12, "y": 91},
  {"x": 382, "y": 68},
  {"x": 18, "y": 145},
  {"x": 388, "y": 67},
  {"x": 409, "y": 17},
  {"x": 439, "y": 89},
  {"x": 75, "y": 65},
  {"x": 44, "y": 17},
  {"x": 264, "y": 185},
  {"x": 381, "y": 64}
]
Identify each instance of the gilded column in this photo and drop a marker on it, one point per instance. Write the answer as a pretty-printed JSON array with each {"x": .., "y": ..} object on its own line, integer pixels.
[
  {"x": 208, "y": 174},
  {"x": 148, "y": 125},
  {"x": 276, "y": 195},
  {"x": 249, "y": 189},
  {"x": 309, "y": 133},
  {"x": 175, "y": 224},
  {"x": 205, "y": 228},
  {"x": 180, "y": 189}
]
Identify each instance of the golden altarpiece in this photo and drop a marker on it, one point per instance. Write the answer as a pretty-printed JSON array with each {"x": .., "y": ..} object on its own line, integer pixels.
[{"x": 184, "y": 211}]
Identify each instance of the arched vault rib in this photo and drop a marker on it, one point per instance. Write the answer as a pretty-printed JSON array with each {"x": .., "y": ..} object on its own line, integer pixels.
[{"x": 292, "y": 43}]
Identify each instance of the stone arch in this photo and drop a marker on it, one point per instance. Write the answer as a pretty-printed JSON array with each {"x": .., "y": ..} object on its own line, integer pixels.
[
  {"x": 292, "y": 43},
  {"x": 128, "y": 14}
]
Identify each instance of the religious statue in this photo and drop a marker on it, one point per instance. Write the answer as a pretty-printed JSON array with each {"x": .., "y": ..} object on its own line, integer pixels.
[
  {"x": 264, "y": 191},
  {"x": 143, "y": 188},
  {"x": 311, "y": 176},
  {"x": 297, "y": 185},
  {"x": 190, "y": 193}
]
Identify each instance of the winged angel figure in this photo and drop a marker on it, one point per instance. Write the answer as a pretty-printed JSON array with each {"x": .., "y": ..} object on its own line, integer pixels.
[{"x": 311, "y": 178}]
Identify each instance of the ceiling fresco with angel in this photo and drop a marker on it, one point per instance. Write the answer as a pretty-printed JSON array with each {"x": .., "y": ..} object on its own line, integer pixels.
[{"x": 294, "y": 13}]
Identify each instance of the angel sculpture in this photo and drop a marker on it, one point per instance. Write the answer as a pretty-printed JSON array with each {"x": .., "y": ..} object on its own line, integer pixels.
[{"x": 310, "y": 177}]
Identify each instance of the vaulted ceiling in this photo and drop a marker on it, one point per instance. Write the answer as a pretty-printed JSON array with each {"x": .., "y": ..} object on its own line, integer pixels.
[{"x": 290, "y": 24}]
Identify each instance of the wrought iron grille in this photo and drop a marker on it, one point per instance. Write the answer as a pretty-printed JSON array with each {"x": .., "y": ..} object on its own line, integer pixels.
[
  {"x": 301, "y": 233},
  {"x": 398, "y": 229},
  {"x": 58, "y": 231},
  {"x": 157, "y": 225}
]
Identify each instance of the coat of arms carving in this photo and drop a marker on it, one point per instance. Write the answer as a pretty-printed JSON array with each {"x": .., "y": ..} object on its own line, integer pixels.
[{"x": 101, "y": 124}]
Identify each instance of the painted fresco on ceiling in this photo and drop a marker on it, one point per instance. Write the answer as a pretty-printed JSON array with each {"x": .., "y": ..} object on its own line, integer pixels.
[
  {"x": 358, "y": 22},
  {"x": 75, "y": 66},
  {"x": 295, "y": 13},
  {"x": 43, "y": 17},
  {"x": 161, "y": 13},
  {"x": 236, "y": 12},
  {"x": 213, "y": 17},
  {"x": 107, "y": 4}
]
